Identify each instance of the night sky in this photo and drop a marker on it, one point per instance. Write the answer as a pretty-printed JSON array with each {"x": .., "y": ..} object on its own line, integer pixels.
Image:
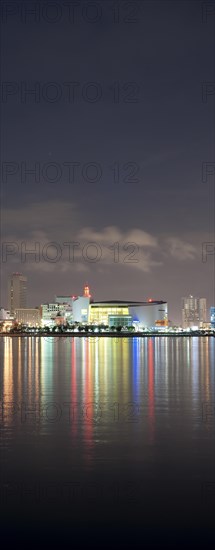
[{"x": 125, "y": 113}]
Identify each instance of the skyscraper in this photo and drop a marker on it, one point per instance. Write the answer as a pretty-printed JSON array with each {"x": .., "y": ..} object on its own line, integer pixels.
[
  {"x": 212, "y": 316},
  {"x": 17, "y": 292},
  {"x": 193, "y": 311}
]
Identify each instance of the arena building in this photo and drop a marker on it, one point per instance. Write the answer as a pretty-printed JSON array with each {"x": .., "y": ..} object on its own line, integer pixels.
[
  {"x": 84, "y": 310},
  {"x": 148, "y": 314}
]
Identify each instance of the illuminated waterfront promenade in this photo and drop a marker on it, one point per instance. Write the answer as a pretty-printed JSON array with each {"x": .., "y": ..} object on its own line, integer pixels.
[{"x": 96, "y": 335}]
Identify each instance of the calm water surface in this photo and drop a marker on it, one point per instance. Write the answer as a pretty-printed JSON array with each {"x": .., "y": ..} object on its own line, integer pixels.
[{"x": 114, "y": 434}]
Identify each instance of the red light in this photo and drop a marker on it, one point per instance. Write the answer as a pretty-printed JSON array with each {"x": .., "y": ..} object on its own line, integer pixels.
[
  {"x": 150, "y": 300},
  {"x": 86, "y": 291}
]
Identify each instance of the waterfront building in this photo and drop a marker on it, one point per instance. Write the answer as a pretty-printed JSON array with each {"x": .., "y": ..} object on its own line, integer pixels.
[
  {"x": 49, "y": 313},
  {"x": 194, "y": 312},
  {"x": 64, "y": 300},
  {"x": 17, "y": 292},
  {"x": 212, "y": 317},
  {"x": 120, "y": 320},
  {"x": 153, "y": 313},
  {"x": 6, "y": 320},
  {"x": 4, "y": 314},
  {"x": 27, "y": 316},
  {"x": 83, "y": 310}
]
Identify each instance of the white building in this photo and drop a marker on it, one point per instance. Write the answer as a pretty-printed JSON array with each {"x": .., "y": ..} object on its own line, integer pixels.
[
  {"x": 153, "y": 313},
  {"x": 80, "y": 309},
  {"x": 6, "y": 320},
  {"x": 4, "y": 314}
]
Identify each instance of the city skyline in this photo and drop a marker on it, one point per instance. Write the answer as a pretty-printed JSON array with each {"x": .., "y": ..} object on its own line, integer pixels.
[
  {"x": 107, "y": 230},
  {"x": 45, "y": 272},
  {"x": 194, "y": 310},
  {"x": 115, "y": 154}
]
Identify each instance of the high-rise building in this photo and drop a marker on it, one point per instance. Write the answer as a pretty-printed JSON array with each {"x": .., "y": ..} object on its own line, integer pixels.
[
  {"x": 17, "y": 292},
  {"x": 194, "y": 312},
  {"x": 212, "y": 316}
]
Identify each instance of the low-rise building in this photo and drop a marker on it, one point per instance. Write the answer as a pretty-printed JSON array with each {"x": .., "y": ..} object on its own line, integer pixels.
[
  {"x": 4, "y": 314},
  {"x": 50, "y": 314},
  {"x": 27, "y": 316},
  {"x": 6, "y": 320},
  {"x": 64, "y": 300}
]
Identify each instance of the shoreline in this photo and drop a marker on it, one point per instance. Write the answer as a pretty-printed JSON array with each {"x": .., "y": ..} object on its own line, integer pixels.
[{"x": 105, "y": 335}]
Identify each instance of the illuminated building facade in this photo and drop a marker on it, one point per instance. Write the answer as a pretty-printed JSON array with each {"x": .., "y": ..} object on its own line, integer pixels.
[
  {"x": 80, "y": 309},
  {"x": 4, "y": 314},
  {"x": 101, "y": 312},
  {"x": 212, "y": 317},
  {"x": 83, "y": 310},
  {"x": 120, "y": 320},
  {"x": 6, "y": 320},
  {"x": 81, "y": 306},
  {"x": 194, "y": 312},
  {"x": 29, "y": 317},
  {"x": 143, "y": 314},
  {"x": 49, "y": 313},
  {"x": 64, "y": 300},
  {"x": 17, "y": 292}
]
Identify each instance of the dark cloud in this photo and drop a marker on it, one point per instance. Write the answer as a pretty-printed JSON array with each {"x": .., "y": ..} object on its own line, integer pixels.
[{"x": 148, "y": 132}]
